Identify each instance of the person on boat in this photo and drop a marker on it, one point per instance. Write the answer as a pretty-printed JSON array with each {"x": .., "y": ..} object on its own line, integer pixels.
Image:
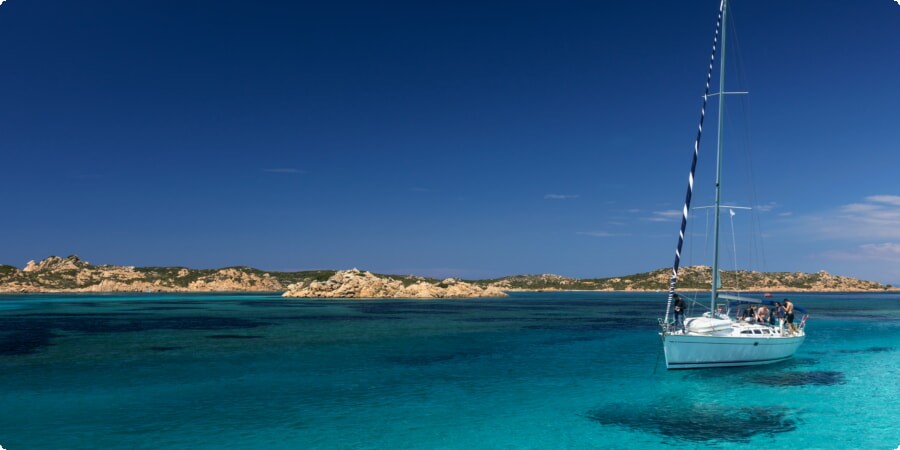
[
  {"x": 679, "y": 312},
  {"x": 749, "y": 313},
  {"x": 762, "y": 315},
  {"x": 789, "y": 315},
  {"x": 778, "y": 314}
]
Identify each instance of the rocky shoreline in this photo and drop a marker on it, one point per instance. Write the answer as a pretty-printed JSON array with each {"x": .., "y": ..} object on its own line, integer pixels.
[
  {"x": 74, "y": 275},
  {"x": 358, "y": 284}
]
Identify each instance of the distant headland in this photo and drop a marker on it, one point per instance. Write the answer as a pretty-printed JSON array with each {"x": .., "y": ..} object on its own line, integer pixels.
[{"x": 72, "y": 274}]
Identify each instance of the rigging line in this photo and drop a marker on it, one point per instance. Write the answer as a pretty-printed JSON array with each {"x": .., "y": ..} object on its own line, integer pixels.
[
  {"x": 757, "y": 234},
  {"x": 737, "y": 57},
  {"x": 687, "y": 199},
  {"x": 706, "y": 235},
  {"x": 756, "y": 241},
  {"x": 737, "y": 280},
  {"x": 754, "y": 238},
  {"x": 748, "y": 187}
]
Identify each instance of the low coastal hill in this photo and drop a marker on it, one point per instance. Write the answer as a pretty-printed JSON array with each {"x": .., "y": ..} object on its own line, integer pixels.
[
  {"x": 358, "y": 284},
  {"x": 72, "y": 274},
  {"x": 697, "y": 278}
]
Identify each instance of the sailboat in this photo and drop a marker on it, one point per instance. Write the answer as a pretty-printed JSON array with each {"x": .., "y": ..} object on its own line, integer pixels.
[{"x": 718, "y": 337}]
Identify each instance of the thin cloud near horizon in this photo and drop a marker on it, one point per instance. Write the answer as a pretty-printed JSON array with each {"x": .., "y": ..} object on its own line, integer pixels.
[
  {"x": 862, "y": 236},
  {"x": 887, "y": 199},
  {"x": 885, "y": 251},
  {"x": 665, "y": 216},
  {"x": 876, "y": 217},
  {"x": 766, "y": 207}
]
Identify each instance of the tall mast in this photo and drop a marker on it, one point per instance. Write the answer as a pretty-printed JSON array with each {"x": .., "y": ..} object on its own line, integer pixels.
[
  {"x": 690, "y": 190},
  {"x": 715, "y": 267}
]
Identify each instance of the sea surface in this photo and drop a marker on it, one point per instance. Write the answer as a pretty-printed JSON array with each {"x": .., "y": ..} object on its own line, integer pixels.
[{"x": 535, "y": 370}]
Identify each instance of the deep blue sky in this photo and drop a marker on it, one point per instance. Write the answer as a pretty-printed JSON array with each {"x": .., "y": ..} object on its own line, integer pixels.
[{"x": 472, "y": 139}]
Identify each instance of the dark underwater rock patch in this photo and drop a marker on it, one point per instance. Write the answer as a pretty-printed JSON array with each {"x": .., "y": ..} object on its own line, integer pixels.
[
  {"x": 178, "y": 302},
  {"x": 631, "y": 313},
  {"x": 63, "y": 315},
  {"x": 861, "y": 315},
  {"x": 585, "y": 327},
  {"x": 579, "y": 303},
  {"x": 165, "y": 348},
  {"x": 573, "y": 339},
  {"x": 489, "y": 319},
  {"x": 421, "y": 360},
  {"x": 594, "y": 324},
  {"x": 346, "y": 317},
  {"x": 457, "y": 306},
  {"x": 280, "y": 304},
  {"x": 164, "y": 308},
  {"x": 117, "y": 323},
  {"x": 541, "y": 319},
  {"x": 434, "y": 358},
  {"x": 855, "y": 351},
  {"x": 28, "y": 333},
  {"x": 513, "y": 308},
  {"x": 23, "y": 342},
  {"x": 868, "y": 350},
  {"x": 698, "y": 422},
  {"x": 336, "y": 317},
  {"x": 408, "y": 307},
  {"x": 800, "y": 378},
  {"x": 234, "y": 336}
]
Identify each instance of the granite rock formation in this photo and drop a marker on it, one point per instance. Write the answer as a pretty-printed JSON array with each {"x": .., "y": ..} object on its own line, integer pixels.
[
  {"x": 355, "y": 283},
  {"x": 72, "y": 274}
]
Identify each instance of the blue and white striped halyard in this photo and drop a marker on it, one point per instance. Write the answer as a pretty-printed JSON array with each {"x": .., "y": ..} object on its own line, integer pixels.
[{"x": 687, "y": 200}]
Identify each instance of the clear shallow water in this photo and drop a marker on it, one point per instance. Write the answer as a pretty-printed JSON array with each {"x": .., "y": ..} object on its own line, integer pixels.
[{"x": 549, "y": 370}]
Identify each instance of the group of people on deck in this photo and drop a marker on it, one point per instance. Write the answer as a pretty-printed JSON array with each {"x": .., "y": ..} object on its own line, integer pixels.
[{"x": 781, "y": 313}]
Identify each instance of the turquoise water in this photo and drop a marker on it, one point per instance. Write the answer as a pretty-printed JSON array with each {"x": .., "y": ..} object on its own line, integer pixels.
[{"x": 547, "y": 370}]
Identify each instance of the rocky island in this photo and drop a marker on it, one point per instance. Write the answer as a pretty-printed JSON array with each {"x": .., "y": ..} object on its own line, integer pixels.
[
  {"x": 695, "y": 278},
  {"x": 357, "y": 284},
  {"x": 72, "y": 274}
]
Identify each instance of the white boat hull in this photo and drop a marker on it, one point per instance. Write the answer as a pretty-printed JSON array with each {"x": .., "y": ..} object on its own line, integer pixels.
[{"x": 687, "y": 351}]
